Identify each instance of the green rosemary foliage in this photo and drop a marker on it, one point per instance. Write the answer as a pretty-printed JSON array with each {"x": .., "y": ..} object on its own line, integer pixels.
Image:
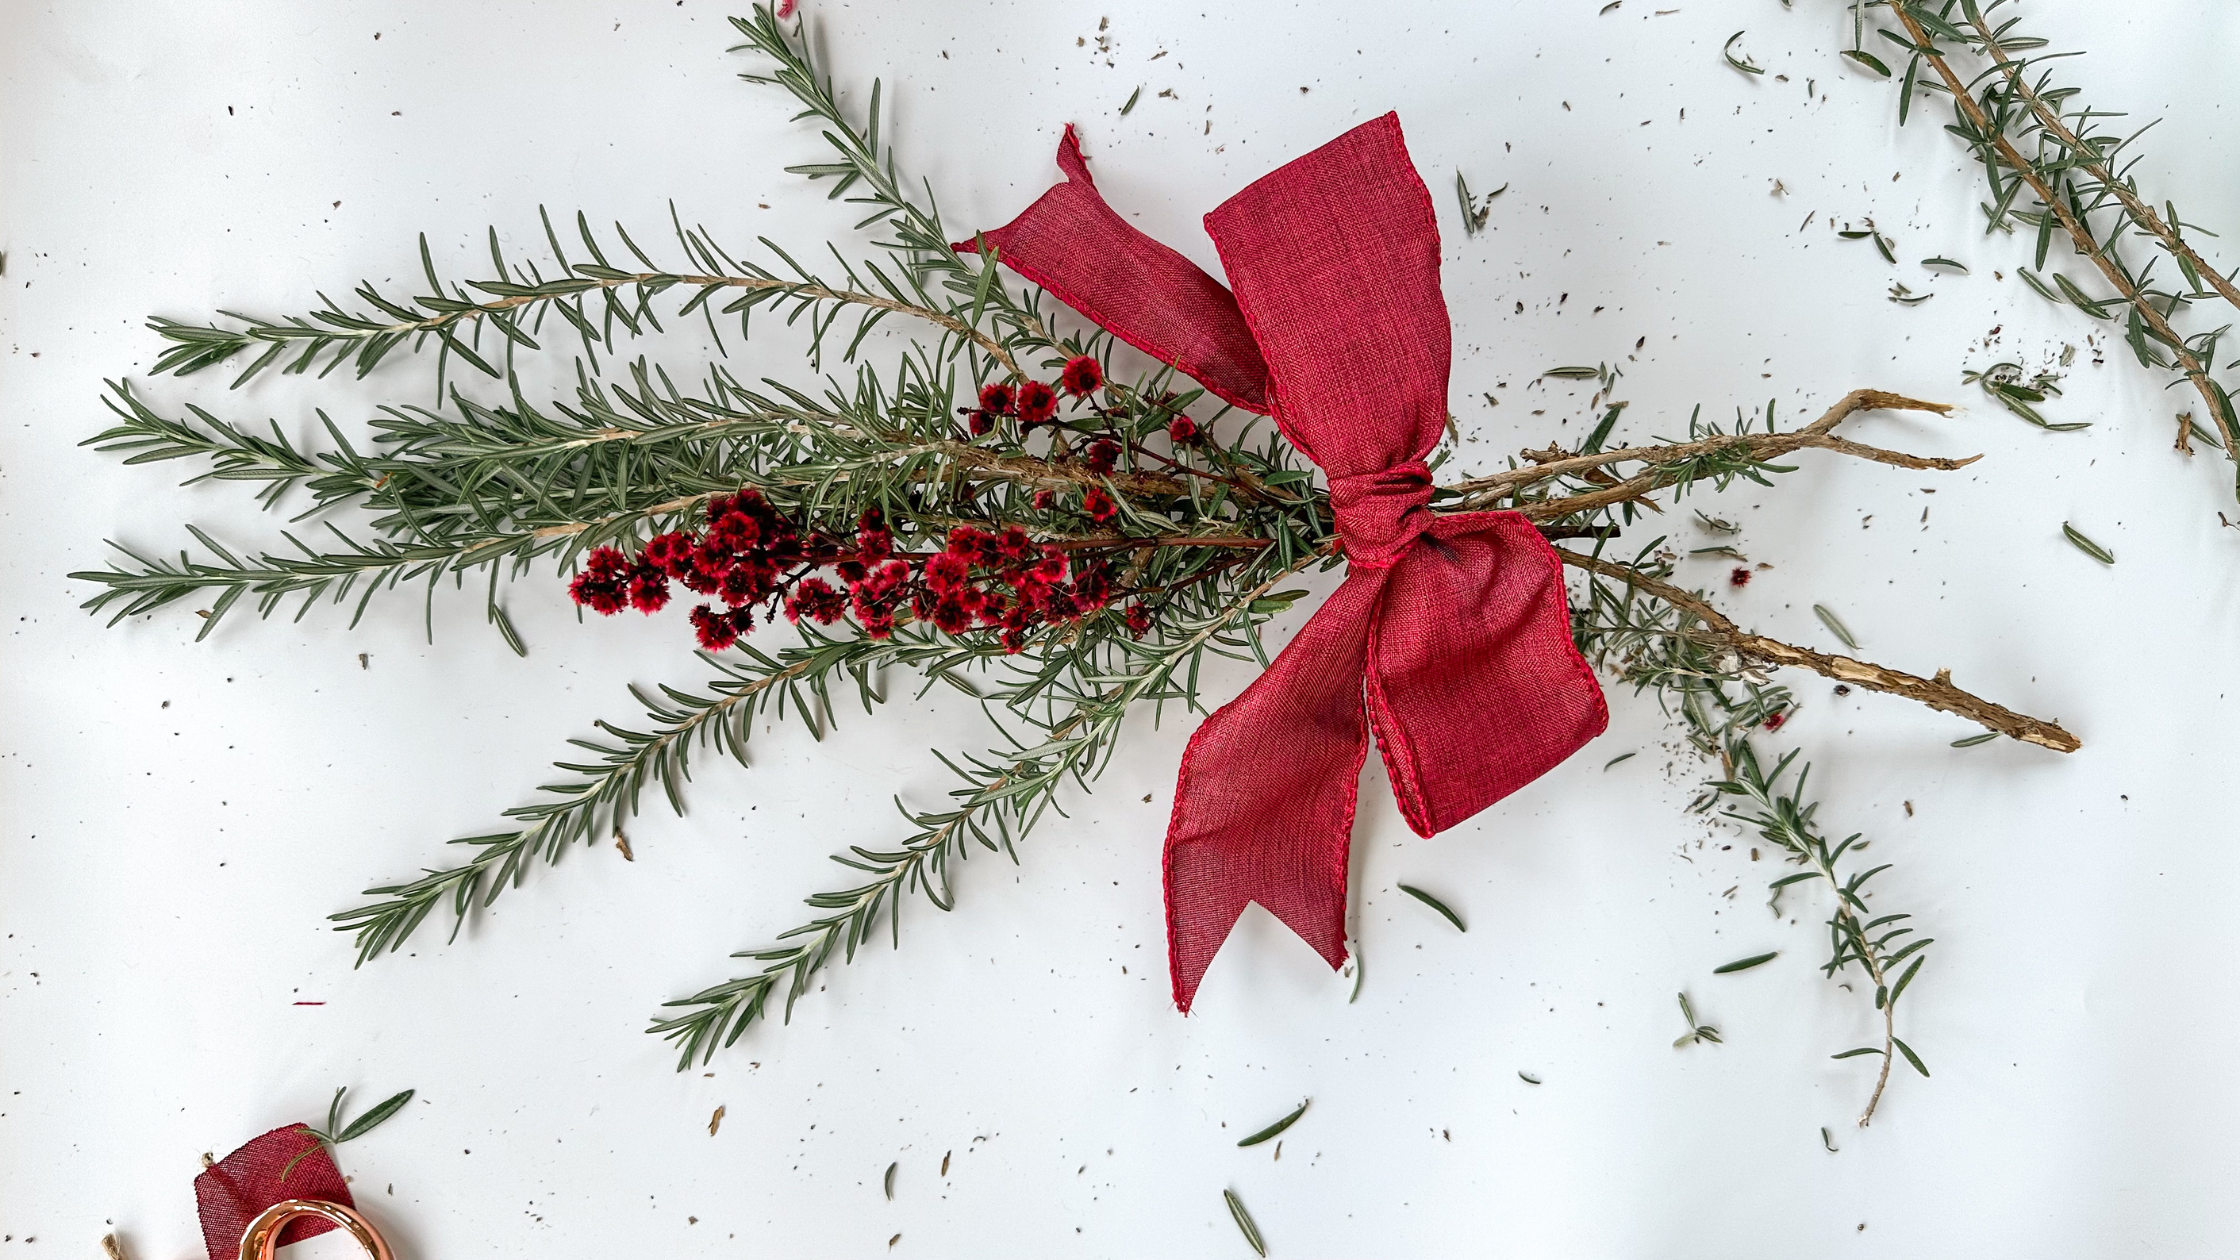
[
  {"x": 1720, "y": 700},
  {"x": 2054, "y": 170},
  {"x": 1073, "y": 725}
]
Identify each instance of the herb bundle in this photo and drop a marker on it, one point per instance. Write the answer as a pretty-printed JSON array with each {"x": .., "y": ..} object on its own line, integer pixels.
[{"x": 1000, "y": 509}]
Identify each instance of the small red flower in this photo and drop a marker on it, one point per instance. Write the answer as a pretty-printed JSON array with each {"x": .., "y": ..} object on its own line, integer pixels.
[
  {"x": 1044, "y": 500},
  {"x": 649, "y": 589},
  {"x": 672, "y": 552},
  {"x": 947, "y": 571},
  {"x": 816, "y": 599},
  {"x": 1774, "y": 720},
  {"x": 980, "y": 423},
  {"x": 1038, "y": 404},
  {"x": 785, "y": 9},
  {"x": 716, "y": 631},
  {"x": 1099, "y": 505},
  {"x": 1082, "y": 375},
  {"x": 1138, "y": 618},
  {"x": 1014, "y": 545},
  {"x": 975, "y": 545},
  {"x": 604, "y": 561},
  {"x": 996, "y": 399},
  {"x": 1103, "y": 455},
  {"x": 1182, "y": 430},
  {"x": 602, "y": 593},
  {"x": 874, "y": 541},
  {"x": 951, "y": 617},
  {"x": 1740, "y": 577}
]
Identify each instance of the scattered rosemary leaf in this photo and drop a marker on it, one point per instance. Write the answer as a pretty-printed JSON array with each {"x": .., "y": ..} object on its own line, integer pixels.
[
  {"x": 1955, "y": 264},
  {"x": 1245, "y": 1226},
  {"x": 1743, "y": 63},
  {"x": 1826, "y": 1140},
  {"x": 1278, "y": 1127},
  {"x": 1132, "y": 98},
  {"x": 1745, "y": 964},
  {"x": 1869, "y": 60},
  {"x": 890, "y": 1179},
  {"x": 1835, "y": 626},
  {"x": 2086, "y": 545},
  {"x": 1852, "y": 1054},
  {"x": 1353, "y": 960},
  {"x": 1434, "y": 903},
  {"x": 1972, "y": 740},
  {"x": 1528, "y": 1078},
  {"x": 1615, "y": 760},
  {"x": 1573, "y": 373},
  {"x": 715, "y": 1122}
]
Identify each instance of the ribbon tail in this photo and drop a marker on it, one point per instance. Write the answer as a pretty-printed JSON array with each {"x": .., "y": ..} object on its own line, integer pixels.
[
  {"x": 1475, "y": 687},
  {"x": 1073, "y": 244},
  {"x": 1263, "y": 809}
]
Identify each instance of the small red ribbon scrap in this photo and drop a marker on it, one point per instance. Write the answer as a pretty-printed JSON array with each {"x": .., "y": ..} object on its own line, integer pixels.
[
  {"x": 286, "y": 1163},
  {"x": 1450, "y": 636}
]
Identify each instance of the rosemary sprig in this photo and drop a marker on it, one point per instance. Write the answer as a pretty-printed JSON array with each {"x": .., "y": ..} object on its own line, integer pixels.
[{"x": 2031, "y": 136}]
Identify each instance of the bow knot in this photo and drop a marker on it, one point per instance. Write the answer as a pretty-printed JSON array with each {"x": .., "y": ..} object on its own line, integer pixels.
[
  {"x": 1458, "y": 655},
  {"x": 1381, "y": 514}
]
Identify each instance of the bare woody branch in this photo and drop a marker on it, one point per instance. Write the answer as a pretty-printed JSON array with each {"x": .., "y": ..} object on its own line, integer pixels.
[
  {"x": 1484, "y": 492},
  {"x": 1937, "y": 693}
]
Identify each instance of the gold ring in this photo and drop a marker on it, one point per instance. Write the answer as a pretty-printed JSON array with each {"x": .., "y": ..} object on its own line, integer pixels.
[{"x": 263, "y": 1234}]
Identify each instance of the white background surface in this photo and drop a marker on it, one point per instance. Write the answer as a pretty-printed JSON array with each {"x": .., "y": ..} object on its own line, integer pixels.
[{"x": 179, "y": 818}]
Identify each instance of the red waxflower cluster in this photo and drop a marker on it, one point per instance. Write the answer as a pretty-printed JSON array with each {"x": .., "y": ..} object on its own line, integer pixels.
[
  {"x": 748, "y": 555},
  {"x": 1033, "y": 402}
]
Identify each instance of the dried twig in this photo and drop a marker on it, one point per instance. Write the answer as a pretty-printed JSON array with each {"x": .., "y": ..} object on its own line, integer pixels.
[{"x": 1937, "y": 693}]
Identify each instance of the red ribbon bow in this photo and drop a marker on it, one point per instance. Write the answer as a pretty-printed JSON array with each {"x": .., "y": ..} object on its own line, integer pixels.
[{"x": 1450, "y": 636}]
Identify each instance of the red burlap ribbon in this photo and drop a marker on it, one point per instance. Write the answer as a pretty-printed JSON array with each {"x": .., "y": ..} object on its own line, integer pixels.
[
  {"x": 1450, "y": 636},
  {"x": 287, "y": 1163}
]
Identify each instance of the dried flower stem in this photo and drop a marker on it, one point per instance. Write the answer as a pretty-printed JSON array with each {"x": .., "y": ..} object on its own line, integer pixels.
[{"x": 1937, "y": 693}]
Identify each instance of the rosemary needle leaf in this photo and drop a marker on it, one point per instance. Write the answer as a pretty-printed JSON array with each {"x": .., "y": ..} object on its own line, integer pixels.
[
  {"x": 1434, "y": 903},
  {"x": 1955, "y": 264},
  {"x": 1835, "y": 626},
  {"x": 1278, "y": 1127},
  {"x": 1742, "y": 63},
  {"x": 1573, "y": 373},
  {"x": 2086, "y": 545},
  {"x": 1852, "y": 1054},
  {"x": 1911, "y": 1057},
  {"x": 1133, "y": 97},
  {"x": 1615, "y": 760},
  {"x": 1245, "y": 1226},
  {"x": 1869, "y": 60},
  {"x": 1826, "y": 1140},
  {"x": 1745, "y": 964},
  {"x": 1972, "y": 740},
  {"x": 1528, "y": 1078},
  {"x": 890, "y": 1179},
  {"x": 382, "y": 1110}
]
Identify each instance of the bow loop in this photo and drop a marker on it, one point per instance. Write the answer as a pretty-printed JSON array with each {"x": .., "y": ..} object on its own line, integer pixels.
[
  {"x": 1381, "y": 514},
  {"x": 1459, "y": 655}
]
